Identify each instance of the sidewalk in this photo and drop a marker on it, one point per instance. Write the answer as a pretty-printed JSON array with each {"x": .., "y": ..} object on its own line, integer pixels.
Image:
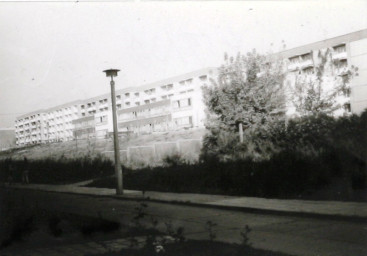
[{"x": 317, "y": 208}]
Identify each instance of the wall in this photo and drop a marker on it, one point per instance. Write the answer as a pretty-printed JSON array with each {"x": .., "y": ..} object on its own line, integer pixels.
[
  {"x": 153, "y": 155},
  {"x": 358, "y": 58}
]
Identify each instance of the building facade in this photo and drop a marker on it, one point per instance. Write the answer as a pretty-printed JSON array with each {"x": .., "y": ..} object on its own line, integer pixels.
[
  {"x": 177, "y": 102},
  {"x": 345, "y": 52},
  {"x": 171, "y": 104}
]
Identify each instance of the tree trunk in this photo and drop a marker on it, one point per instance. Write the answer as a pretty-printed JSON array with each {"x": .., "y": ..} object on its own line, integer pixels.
[{"x": 240, "y": 128}]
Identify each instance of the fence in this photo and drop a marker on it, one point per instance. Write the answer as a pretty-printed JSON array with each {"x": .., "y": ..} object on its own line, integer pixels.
[{"x": 153, "y": 155}]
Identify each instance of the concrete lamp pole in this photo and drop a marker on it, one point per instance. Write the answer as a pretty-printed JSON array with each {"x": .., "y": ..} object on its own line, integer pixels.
[{"x": 118, "y": 171}]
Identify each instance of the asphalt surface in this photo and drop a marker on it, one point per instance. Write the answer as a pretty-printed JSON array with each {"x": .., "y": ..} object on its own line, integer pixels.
[{"x": 295, "y": 235}]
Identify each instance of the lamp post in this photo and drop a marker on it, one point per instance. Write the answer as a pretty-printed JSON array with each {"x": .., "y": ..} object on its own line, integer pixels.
[{"x": 118, "y": 171}]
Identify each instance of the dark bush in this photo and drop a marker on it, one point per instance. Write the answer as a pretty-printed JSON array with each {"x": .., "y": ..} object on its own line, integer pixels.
[{"x": 59, "y": 171}]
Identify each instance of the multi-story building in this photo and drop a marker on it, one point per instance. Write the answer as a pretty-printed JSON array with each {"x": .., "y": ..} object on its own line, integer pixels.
[
  {"x": 174, "y": 103},
  {"x": 346, "y": 51}
]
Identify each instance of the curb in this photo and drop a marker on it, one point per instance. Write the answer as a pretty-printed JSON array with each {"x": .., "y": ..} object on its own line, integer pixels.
[{"x": 248, "y": 209}]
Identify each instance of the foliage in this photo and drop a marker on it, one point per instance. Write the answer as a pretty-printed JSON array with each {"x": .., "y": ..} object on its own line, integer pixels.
[
  {"x": 325, "y": 90},
  {"x": 248, "y": 90},
  {"x": 209, "y": 226},
  {"x": 312, "y": 151},
  {"x": 58, "y": 171}
]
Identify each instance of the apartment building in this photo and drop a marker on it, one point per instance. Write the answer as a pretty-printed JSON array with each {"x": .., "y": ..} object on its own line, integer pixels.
[
  {"x": 346, "y": 51},
  {"x": 171, "y": 104},
  {"x": 176, "y": 103}
]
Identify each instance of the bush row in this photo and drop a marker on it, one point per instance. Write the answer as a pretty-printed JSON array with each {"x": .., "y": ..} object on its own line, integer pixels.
[{"x": 60, "y": 171}]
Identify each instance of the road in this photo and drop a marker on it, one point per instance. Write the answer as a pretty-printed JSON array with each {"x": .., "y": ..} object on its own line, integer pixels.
[{"x": 294, "y": 235}]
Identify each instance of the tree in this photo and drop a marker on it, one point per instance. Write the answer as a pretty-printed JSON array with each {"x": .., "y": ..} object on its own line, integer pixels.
[
  {"x": 325, "y": 89},
  {"x": 248, "y": 91}
]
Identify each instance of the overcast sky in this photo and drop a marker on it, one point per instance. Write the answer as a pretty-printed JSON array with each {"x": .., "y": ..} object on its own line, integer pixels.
[{"x": 54, "y": 52}]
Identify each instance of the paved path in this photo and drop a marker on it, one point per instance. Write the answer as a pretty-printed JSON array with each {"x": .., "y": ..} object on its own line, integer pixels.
[
  {"x": 322, "y": 208},
  {"x": 90, "y": 248},
  {"x": 295, "y": 235}
]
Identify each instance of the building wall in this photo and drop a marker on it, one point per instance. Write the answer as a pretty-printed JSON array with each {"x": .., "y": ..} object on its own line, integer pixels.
[
  {"x": 184, "y": 94},
  {"x": 355, "y": 55},
  {"x": 63, "y": 123},
  {"x": 358, "y": 58}
]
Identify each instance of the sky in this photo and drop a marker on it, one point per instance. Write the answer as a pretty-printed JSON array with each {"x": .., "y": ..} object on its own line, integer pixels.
[{"x": 52, "y": 53}]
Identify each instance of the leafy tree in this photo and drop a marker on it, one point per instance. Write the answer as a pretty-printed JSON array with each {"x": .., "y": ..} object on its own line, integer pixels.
[
  {"x": 248, "y": 91},
  {"x": 324, "y": 90}
]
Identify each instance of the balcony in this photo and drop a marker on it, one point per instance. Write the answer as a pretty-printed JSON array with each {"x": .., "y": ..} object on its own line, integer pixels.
[
  {"x": 91, "y": 108},
  {"x": 306, "y": 63},
  {"x": 339, "y": 56}
]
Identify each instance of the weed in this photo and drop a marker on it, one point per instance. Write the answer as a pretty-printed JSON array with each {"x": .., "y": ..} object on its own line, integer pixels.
[
  {"x": 244, "y": 235},
  {"x": 209, "y": 226}
]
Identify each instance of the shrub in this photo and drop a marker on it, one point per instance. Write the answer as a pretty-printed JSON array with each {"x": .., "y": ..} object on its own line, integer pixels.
[{"x": 62, "y": 170}]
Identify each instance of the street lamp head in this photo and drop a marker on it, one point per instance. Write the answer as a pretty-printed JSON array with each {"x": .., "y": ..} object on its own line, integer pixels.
[{"x": 111, "y": 72}]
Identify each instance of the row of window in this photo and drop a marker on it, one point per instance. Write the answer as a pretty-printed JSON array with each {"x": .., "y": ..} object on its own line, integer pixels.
[
  {"x": 308, "y": 56},
  {"x": 339, "y": 66},
  {"x": 182, "y": 103}
]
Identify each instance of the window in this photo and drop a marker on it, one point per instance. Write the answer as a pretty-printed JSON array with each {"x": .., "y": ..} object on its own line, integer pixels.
[
  {"x": 203, "y": 78},
  {"x": 308, "y": 71},
  {"x": 340, "y": 48},
  {"x": 164, "y": 97},
  {"x": 183, "y": 121},
  {"x": 146, "y": 101},
  {"x": 127, "y": 103},
  {"x": 136, "y": 94},
  {"x": 137, "y": 103},
  {"x": 127, "y": 95},
  {"x": 185, "y": 103},
  {"x": 176, "y": 104},
  {"x": 347, "y": 107},
  {"x": 294, "y": 60},
  {"x": 306, "y": 56},
  {"x": 101, "y": 119},
  {"x": 342, "y": 63},
  {"x": 167, "y": 87},
  {"x": 118, "y": 97},
  {"x": 182, "y": 103}
]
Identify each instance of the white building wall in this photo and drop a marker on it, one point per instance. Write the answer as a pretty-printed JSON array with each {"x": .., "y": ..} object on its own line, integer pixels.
[{"x": 358, "y": 58}]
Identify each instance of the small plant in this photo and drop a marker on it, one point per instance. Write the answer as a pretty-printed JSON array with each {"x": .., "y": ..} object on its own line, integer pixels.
[
  {"x": 140, "y": 214},
  {"x": 173, "y": 160},
  {"x": 209, "y": 227},
  {"x": 178, "y": 235},
  {"x": 244, "y": 235}
]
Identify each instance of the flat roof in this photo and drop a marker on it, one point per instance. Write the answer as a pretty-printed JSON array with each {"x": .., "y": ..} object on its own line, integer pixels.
[{"x": 330, "y": 42}]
